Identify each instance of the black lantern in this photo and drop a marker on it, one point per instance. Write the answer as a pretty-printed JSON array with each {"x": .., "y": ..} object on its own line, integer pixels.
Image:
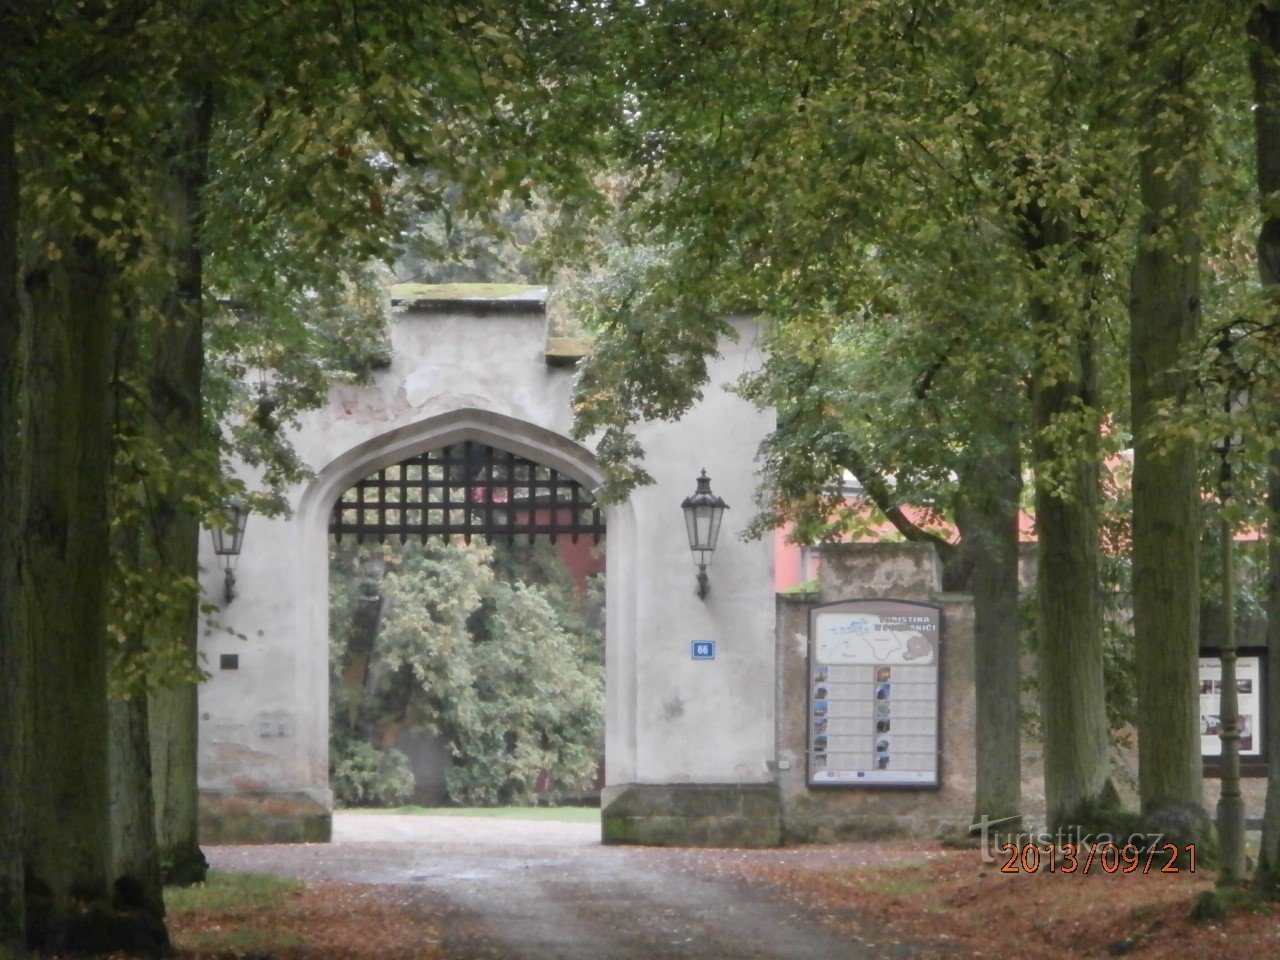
[
  {"x": 228, "y": 539},
  {"x": 703, "y": 511}
]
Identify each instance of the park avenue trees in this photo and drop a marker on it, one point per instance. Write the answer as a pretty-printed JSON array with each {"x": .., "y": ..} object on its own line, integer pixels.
[
  {"x": 72, "y": 256},
  {"x": 888, "y": 191},
  {"x": 925, "y": 203},
  {"x": 110, "y": 112},
  {"x": 932, "y": 207}
]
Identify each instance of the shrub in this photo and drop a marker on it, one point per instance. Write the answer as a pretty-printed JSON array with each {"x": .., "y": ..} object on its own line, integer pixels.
[{"x": 361, "y": 775}]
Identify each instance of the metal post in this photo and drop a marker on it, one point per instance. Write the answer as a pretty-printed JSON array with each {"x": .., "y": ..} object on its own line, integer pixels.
[{"x": 1230, "y": 802}]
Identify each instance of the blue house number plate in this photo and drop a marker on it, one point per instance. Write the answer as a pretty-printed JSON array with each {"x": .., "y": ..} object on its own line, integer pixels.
[{"x": 704, "y": 649}]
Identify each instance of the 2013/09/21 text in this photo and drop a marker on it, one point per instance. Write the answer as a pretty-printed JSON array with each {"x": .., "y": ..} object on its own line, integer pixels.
[{"x": 1102, "y": 857}]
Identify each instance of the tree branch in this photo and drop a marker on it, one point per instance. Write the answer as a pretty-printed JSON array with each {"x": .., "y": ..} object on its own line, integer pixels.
[{"x": 878, "y": 491}]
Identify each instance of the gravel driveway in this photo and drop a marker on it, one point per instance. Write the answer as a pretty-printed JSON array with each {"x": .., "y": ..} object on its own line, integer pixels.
[{"x": 532, "y": 890}]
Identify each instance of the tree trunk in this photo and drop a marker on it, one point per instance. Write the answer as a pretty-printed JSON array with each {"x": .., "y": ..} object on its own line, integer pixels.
[
  {"x": 1165, "y": 316},
  {"x": 173, "y": 760},
  {"x": 67, "y": 439},
  {"x": 1264, "y": 64},
  {"x": 957, "y": 562},
  {"x": 987, "y": 517},
  {"x": 175, "y": 385},
  {"x": 1068, "y": 607},
  {"x": 135, "y": 858},
  {"x": 13, "y": 644},
  {"x": 1064, "y": 391}
]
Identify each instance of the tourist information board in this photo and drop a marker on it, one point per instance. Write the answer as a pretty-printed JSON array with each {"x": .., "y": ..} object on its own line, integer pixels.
[
  {"x": 1249, "y": 705},
  {"x": 874, "y": 683}
]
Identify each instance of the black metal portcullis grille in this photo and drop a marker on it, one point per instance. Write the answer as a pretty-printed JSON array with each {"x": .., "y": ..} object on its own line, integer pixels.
[{"x": 467, "y": 489}]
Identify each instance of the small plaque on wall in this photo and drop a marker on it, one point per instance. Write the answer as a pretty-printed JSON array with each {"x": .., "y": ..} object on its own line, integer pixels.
[{"x": 874, "y": 682}]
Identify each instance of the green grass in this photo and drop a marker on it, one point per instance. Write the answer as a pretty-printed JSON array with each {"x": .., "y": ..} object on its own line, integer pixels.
[
  {"x": 896, "y": 879},
  {"x": 223, "y": 892},
  {"x": 459, "y": 291},
  {"x": 555, "y": 814}
]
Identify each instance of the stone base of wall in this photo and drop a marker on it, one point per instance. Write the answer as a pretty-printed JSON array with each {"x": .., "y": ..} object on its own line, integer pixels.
[
  {"x": 263, "y": 818},
  {"x": 692, "y": 815},
  {"x": 828, "y": 819}
]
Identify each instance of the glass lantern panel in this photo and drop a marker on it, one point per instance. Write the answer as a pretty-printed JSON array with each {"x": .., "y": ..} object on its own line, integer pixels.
[
  {"x": 691, "y": 527},
  {"x": 713, "y": 533},
  {"x": 703, "y": 518}
]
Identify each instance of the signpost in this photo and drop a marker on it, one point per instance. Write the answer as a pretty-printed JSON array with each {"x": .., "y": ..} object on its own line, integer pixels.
[{"x": 874, "y": 683}]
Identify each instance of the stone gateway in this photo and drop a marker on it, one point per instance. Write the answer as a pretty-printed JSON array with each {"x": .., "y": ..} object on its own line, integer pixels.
[{"x": 695, "y": 751}]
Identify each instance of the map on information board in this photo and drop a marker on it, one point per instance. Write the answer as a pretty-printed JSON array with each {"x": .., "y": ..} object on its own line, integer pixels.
[{"x": 869, "y": 638}]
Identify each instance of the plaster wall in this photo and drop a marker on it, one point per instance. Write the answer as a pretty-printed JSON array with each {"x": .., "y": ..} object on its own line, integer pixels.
[{"x": 477, "y": 371}]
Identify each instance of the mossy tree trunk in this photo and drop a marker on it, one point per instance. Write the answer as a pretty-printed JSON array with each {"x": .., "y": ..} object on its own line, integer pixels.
[
  {"x": 175, "y": 384},
  {"x": 1065, "y": 447},
  {"x": 13, "y": 645},
  {"x": 1165, "y": 320},
  {"x": 1264, "y": 63},
  {"x": 172, "y": 714},
  {"x": 987, "y": 517},
  {"x": 67, "y": 430},
  {"x": 134, "y": 853}
]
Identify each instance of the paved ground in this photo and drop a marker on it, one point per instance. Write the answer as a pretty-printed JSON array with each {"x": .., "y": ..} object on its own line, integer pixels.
[{"x": 523, "y": 890}]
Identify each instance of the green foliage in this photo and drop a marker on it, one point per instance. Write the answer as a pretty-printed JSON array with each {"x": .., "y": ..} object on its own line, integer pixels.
[
  {"x": 878, "y": 189},
  {"x": 447, "y": 244},
  {"x": 362, "y": 775},
  {"x": 865, "y": 191},
  {"x": 250, "y": 179},
  {"x": 445, "y": 639},
  {"x": 808, "y": 587}
]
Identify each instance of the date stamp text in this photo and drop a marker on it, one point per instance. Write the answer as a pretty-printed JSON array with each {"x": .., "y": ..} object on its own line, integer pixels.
[
  {"x": 1077, "y": 853},
  {"x": 1104, "y": 857}
]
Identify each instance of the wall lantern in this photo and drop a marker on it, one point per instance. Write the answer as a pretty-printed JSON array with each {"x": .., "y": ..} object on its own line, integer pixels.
[
  {"x": 228, "y": 539},
  {"x": 703, "y": 511}
]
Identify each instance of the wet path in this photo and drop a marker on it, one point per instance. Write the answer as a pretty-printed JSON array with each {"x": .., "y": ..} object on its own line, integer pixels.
[{"x": 549, "y": 891}]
